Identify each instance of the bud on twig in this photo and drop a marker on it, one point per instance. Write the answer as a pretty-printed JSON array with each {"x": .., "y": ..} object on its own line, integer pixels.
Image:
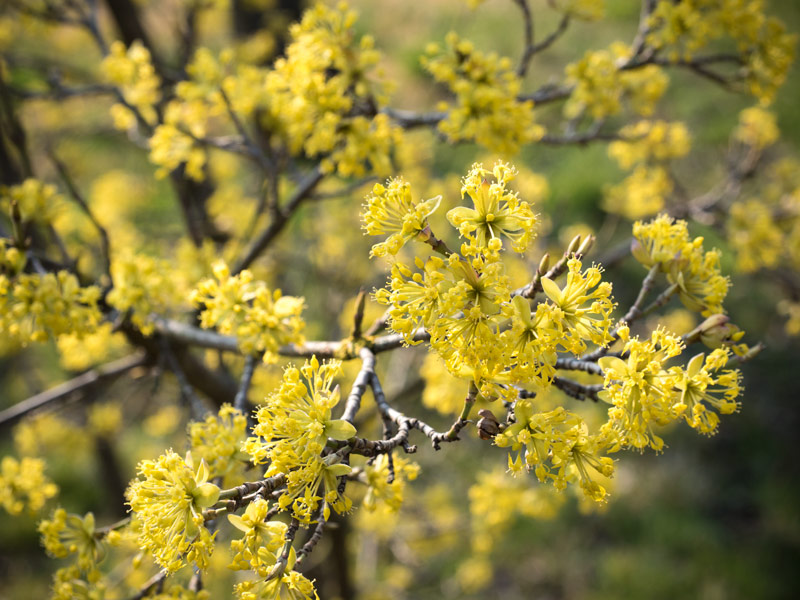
[{"x": 488, "y": 425}]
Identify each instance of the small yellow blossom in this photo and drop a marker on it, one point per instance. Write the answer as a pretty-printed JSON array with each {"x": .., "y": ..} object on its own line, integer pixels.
[
  {"x": 23, "y": 484},
  {"x": 391, "y": 209},
  {"x": 262, "y": 320},
  {"x": 497, "y": 211},
  {"x": 168, "y": 499},
  {"x": 66, "y": 534}
]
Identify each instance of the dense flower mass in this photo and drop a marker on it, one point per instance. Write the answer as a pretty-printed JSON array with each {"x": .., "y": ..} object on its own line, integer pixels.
[
  {"x": 168, "y": 499},
  {"x": 391, "y": 209},
  {"x": 254, "y": 129},
  {"x": 294, "y": 425},
  {"x": 262, "y": 320},
  {"x": 23, "y": 485},
  {"x": 486, "y": 109}
]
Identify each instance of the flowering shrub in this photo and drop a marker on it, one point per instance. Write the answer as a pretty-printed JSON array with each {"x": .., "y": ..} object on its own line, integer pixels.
[{"x": 255, "y": 157}]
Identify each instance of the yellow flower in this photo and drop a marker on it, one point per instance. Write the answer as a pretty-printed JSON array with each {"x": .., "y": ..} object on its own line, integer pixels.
[
  {"x": 24, "y": 482},
  {"x": 578, "y": 311},
  {"x": 391, "y": 209},
  {"x": 497, "y": 211},
  {"x": 295, "y": 422},
  {"x": 700, "y": 392},
  {"x": 168, "y": 499},
  {"x": 67, "y": 534}
]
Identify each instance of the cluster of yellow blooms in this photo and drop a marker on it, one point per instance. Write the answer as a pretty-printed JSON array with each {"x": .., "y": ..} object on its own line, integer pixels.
[
  {"x": 645, "y": 148},
  {"x": 386, "y": 488},
  {"x": 486, "y": 110},
  {"x": 465, "y": 300},
  {"x": 261, "y": 320},
  {"x": 65, "y": 534},
  {"x": 145, "y": 286},
  {"x": 260, "y": 550},
  {"x": 488, "y": 332},
  {"x": 217, "y": 440},
  {"x": 325, "y": 102},
  {"x": 765, "y": 49},
  {"x": 168, "y": 500},
  {"x": 24, "y": 484},
  {"x": 31, "y": 200},
  {"x": 131, "y": 70},
  {"x": 693, "y": 272},
  {"x": 644, "y": 393},
  {"x": 600, "y": 85},
  {"x": 34, "y": 307},
  {"x": 322, "y": 99},
  {"x": 764, "y": 230},
  {"x": 294, "y": 425}
]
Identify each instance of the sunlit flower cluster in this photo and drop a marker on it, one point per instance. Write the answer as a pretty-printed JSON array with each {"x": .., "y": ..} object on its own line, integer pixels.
[
  {"x": 322, "y": 99},
  {"x": 168, "y": 498},
  {"x": 34, "y": 308},
  {"x": 391, "y": 209},
  {"x": 131, "y": 70},
  {"x": 218, "y": 440},
  {"x": 24, "y": 486},
  {"x": 262, "y": 320},
  {"x": 487, "y": 110},
  {"x": 764, "y": 47},
  {"x": 144, "y": 286},
  {"x": 693, "y": 271},
  {"x": 31, "y": 200},
  {"x": 294, "y": 425},
  {"x": 600, "y": 85}
]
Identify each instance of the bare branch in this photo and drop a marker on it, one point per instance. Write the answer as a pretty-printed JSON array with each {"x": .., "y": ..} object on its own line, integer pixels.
[{"x": 81, "y": 383}]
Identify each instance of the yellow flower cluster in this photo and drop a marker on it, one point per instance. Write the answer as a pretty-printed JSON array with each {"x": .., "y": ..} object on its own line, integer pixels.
[
  {"x": 218, "y": 441},
  {"x": 24, "y": 484},
  {"x": 644, "y": 394},
  {"x": 496, "y": 499},
  {"x": 382, "y": 491},
  {"x": 294, "y": 425},
  {"x": 168, "y": 499},
  {"x": 465, "y": 302},
  {"x": 758, "y": 128},
  {"x": 260, "y": 550},
  {"x": 765, "y": 231},
  {"x": 648, "y": 142},
  {"x": 66, "y": 534},
  {"x": 32, "y": 200},
  {"x": 34, "y": 308},
  {"x": 765, "y": 48},
  {"x": 11, "y": 262},
  {"x": 391, "y": 209},
  {"x": 558, "y": 447},
  {"x": 498, "y": 211},
  {"x": 262, "y": 539},
  {"x": 599, "y": 85},
  {"x": 694, "y": 272},
  {"x": 198, "y": 100},
  {"x": 69, "y": 584},
  {"x": 261, "y": 320},
  {"x": 641, "y": 194},
  {"x": 646, "y": 146},
  {"x": 132, "y": 71},
  {"x": 322, "y": 100},
  {"x": 486, "y": 110},
  {"x": 145, "y": 286}
]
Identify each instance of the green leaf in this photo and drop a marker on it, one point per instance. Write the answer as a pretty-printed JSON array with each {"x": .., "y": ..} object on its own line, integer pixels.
[{"x": 339, "y": 429}]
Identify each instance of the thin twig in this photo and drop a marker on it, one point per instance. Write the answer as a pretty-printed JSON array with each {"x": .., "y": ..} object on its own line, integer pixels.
[
  {"x": 240, "y": 402},
  {"x": 280, "y": 218},
  {"x": 81, "y": 383}
]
